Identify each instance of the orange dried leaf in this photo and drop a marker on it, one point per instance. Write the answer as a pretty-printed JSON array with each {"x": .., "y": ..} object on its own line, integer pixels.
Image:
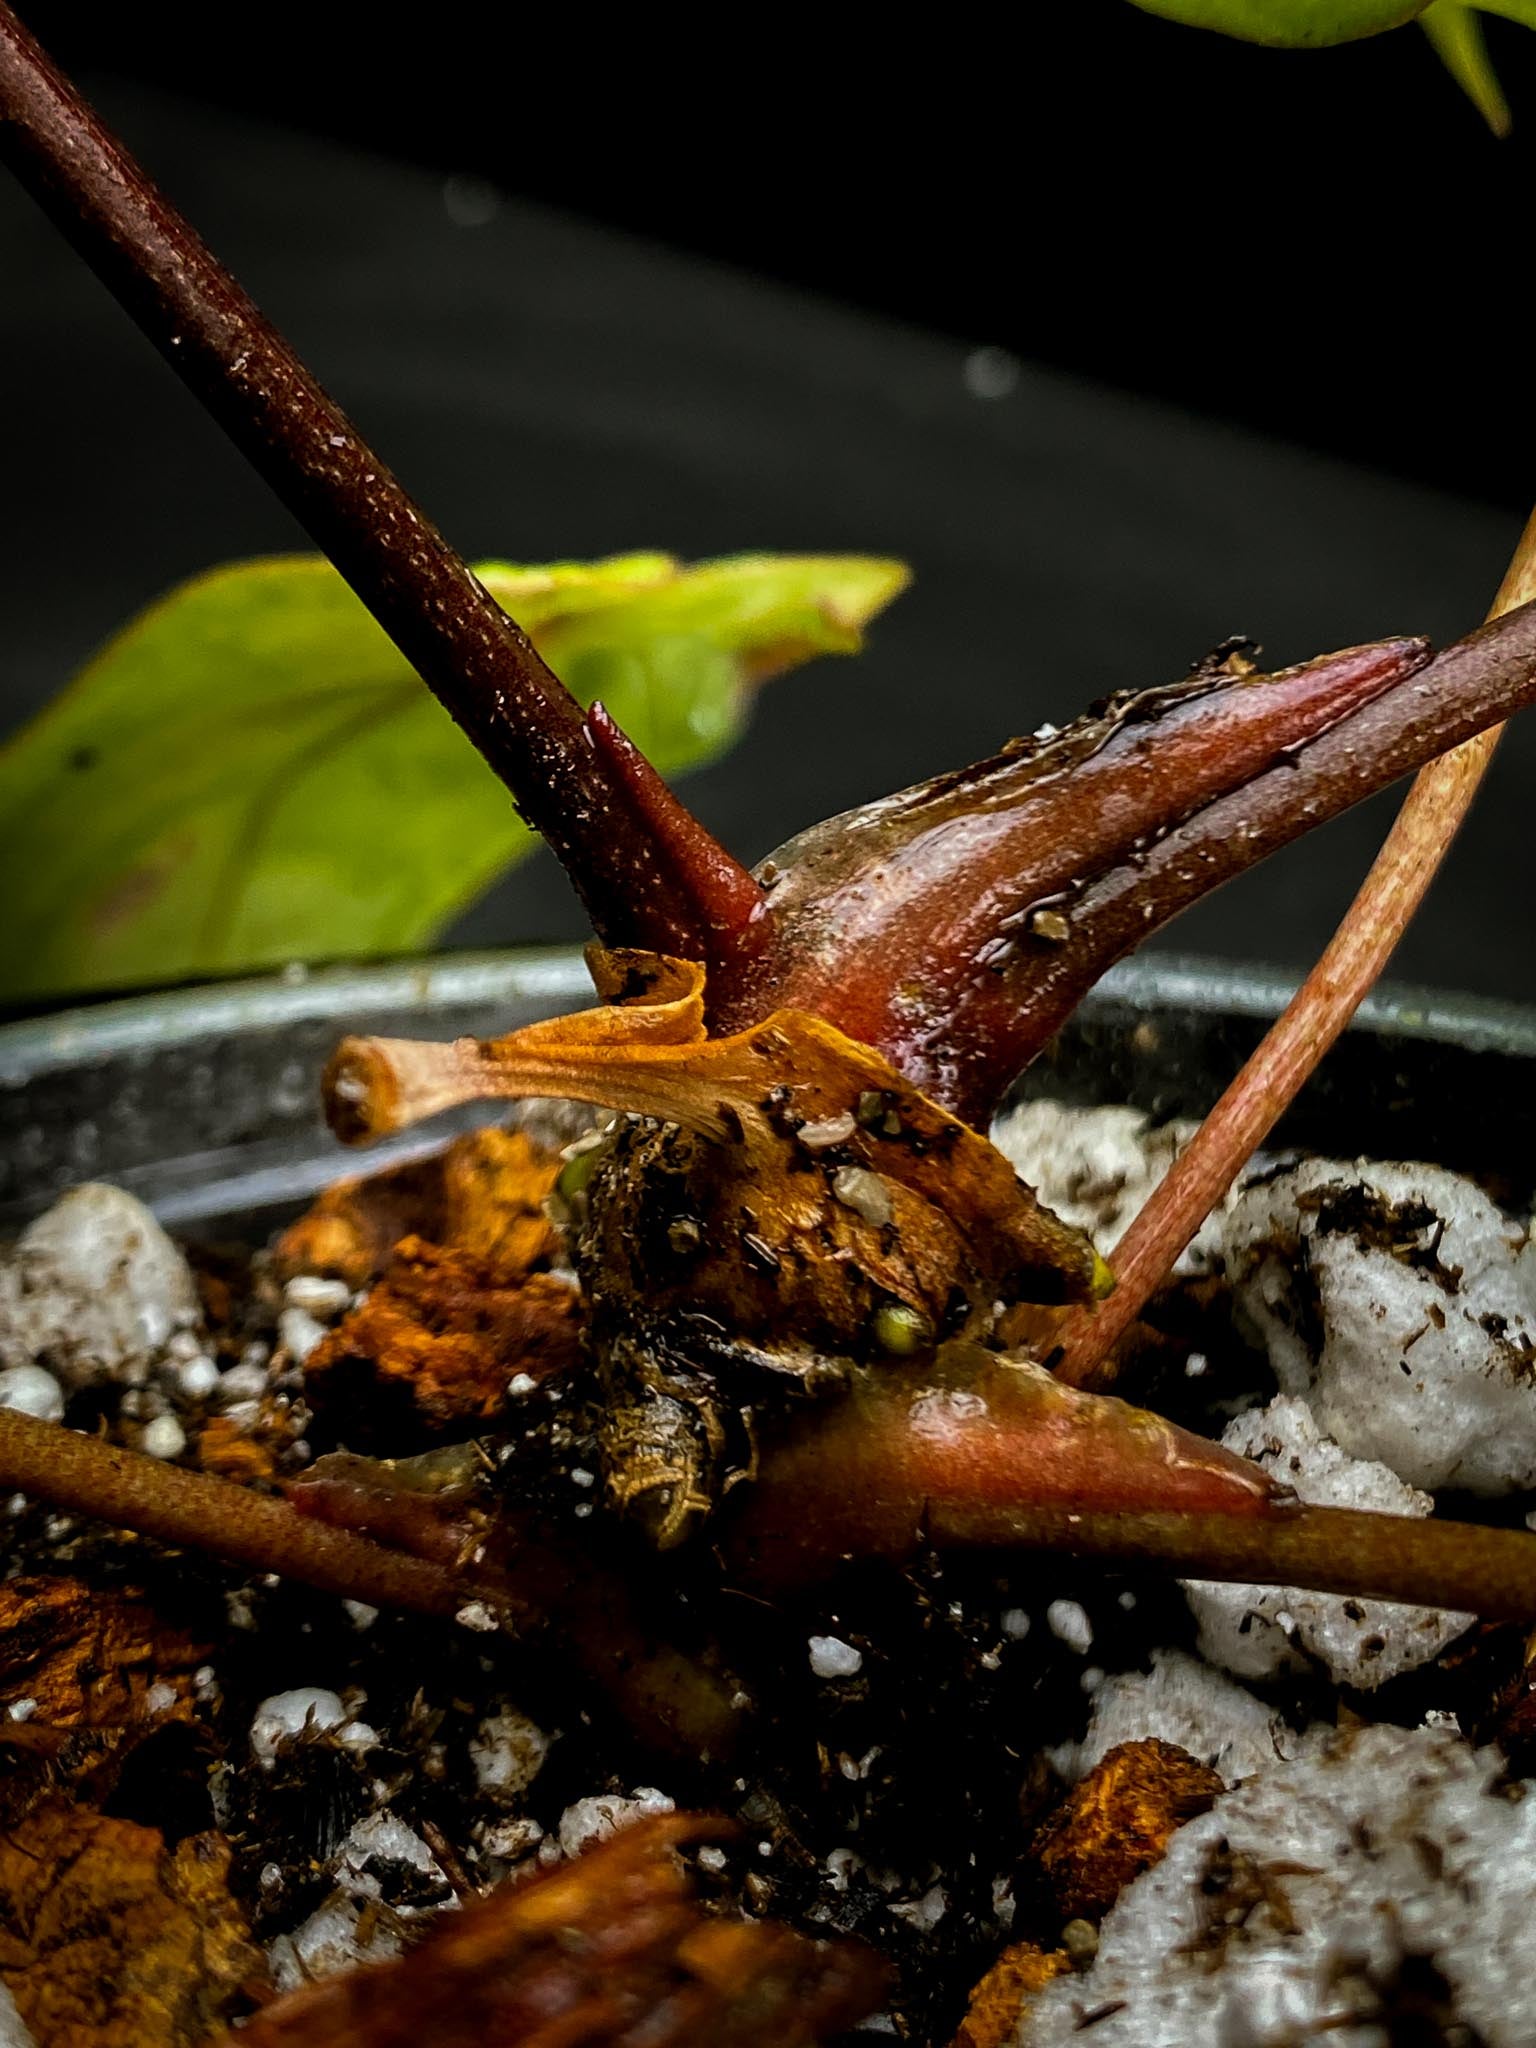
[
  {"x": 438, "y": 1339},
  {"x": 999, "y": 2000},
  {"x": 77, "y": 1665},
  {"x": 86, "y": 1658},
  {"x": 648, "y": 1053},
  {"x": 348, "y": 1232},
  {"x": 495, "y": 1184},
  {"x": 224, "y": 1447},
  {"x": 612, "y": 1946},
  {"x": 1117, "y": 1822},
  {"x": 483, "y": 1194},
  {"x": 111, "y": 1939}
]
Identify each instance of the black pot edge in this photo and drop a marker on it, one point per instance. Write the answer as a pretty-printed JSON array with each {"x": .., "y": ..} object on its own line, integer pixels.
[{"x": 555, "y": 977}]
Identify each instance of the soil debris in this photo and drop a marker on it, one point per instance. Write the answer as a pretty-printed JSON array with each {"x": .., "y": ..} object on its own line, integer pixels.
[
  {"x": 608, "y": 1947},
  {"x": 984, "y": 1830},
  {"x": 88, "y": 1676},
  {"x": 112, "y": 1938},
  {"x": 435, "y": 1345},
  {"x": 1118, "y": 1821},
  {"x": 1001, "y": 1999},
  {"x": 1377, "y": 1890},
  {"x": 484, "y": 1194}
]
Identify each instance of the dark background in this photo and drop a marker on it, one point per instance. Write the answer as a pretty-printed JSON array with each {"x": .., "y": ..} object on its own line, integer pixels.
[{"x": 1256, "y": 348}]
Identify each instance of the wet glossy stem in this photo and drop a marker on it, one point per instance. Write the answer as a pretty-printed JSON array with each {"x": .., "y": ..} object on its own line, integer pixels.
[
  {"x": 195, "y": 1511},
  {"x": 1487, "y": 1572},
  {"x": 1319, "y": 1011},
  {"x": 479, "y": 664},
  {"x": 991, "y": 1464},
  {"x": 793, "y": 1541}
]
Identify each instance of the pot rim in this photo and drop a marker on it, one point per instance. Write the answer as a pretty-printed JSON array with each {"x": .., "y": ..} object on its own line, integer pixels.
[{"x": 556, "y": 976}]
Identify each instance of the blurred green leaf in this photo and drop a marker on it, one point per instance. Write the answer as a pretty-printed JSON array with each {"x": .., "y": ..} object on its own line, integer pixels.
[
  {"x": 1457, "y": 35},
  {"x": 249, "y": 773},
  {"x": 1451, "y": 25},
  {"x": 1290, "y": 24}
]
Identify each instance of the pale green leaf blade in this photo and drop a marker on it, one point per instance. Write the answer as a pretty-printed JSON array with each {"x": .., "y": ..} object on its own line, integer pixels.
[
  {"x": 250, "y": 773},
  {"x": 1290, "y": 24},
  {"x": 1457, "y": 35}
]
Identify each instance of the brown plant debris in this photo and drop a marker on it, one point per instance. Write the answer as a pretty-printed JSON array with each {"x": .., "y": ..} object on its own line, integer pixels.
[
  {"x": 438, "y": 1338},
  {"x": 79, "y": 1657},
  {"x": 789, "y": 1093},
  {"x": 483, "y": 1194},
  {"x": 85, "y": 1677},
  {"x": 611, "y": 1947},
  {"x": 109, "y": 1938},
  {"x": 1117, "y": 1822},
  {"x": 226, "y": 1447},
  {"x": 999, "y": 2000}
]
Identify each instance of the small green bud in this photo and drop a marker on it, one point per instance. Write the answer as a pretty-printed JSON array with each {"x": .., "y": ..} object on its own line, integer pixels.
[
  {"x": 577, "y": 1172},
  {"x": 1080, "y": 1939},
  {"x": 900, "y": 1330}
]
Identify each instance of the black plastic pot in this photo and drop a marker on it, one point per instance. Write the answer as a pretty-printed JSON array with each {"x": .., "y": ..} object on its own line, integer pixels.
[{"x": 205, "y": 1102}]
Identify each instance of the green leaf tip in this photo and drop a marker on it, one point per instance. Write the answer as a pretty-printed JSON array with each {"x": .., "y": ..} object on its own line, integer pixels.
[
  {"x": 249, "y": 773},
  {"x": 1457, "y": 35},
  {"x": 1451, "y": 25}
]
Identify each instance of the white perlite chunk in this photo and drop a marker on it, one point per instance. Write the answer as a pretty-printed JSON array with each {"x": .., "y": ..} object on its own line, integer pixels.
[
  {"x": 242, "y": 1383},
  {"x": 1317, "y": 1903},
  {"x": 595, "y": 1819},
  {"x": 13, "y": 2033},
  {"x": 1185, "y": 1702},
  {"x": 339, "y": 1935},
  {"x": 299, "y": 1333},
  {"x": 1069, "y": 1623},
  {"x": 316, "y": 1295},
  {"x": 163, "y": 1438},
  {"x": 380, "y": 1851},
  {"x": 308, "y": 1710},
  {"x": 197, "y": 1378},
  {"x": 31, "y": 1391},
  {"x": 508, "y": 1840},
  {"x": 92, "y": 1289},
  {"x": 831, "y": 1657},
  {"x": 381, "y": 1860},
  {"x": 1400, "y": 1303},
  {"x": 1261, "y": 1631},
  {"x": 285, "y": 1715},
  {"x": 1096, "y": 1167},
  {"x": 508, "y": 1752}
]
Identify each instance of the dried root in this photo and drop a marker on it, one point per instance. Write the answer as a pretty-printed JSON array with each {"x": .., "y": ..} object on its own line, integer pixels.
[{"x": 612, "y": 1948}]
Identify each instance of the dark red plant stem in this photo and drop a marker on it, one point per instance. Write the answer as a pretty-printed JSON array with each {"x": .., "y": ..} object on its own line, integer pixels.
[
  {"x": 672, "y": 1701},
  {"x": 1474, "y": 684},
  {"x": 1459, "y": 1565},
  {"x": 214, "y": 1517},
  {"x": 579, "y": 1596},
  {"x": 477, "y": 661},
  {"x": 1321, "y": 1008},
  {"x": 875, "y": 1476},
  {"x": 727, "y": 901},
  {"x": 954, "y": 926},
  {"x": 921, "y": 924}
]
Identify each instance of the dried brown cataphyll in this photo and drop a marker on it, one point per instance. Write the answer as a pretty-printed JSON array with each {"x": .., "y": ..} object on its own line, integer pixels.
[{"x": 828, "y": 1356}]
